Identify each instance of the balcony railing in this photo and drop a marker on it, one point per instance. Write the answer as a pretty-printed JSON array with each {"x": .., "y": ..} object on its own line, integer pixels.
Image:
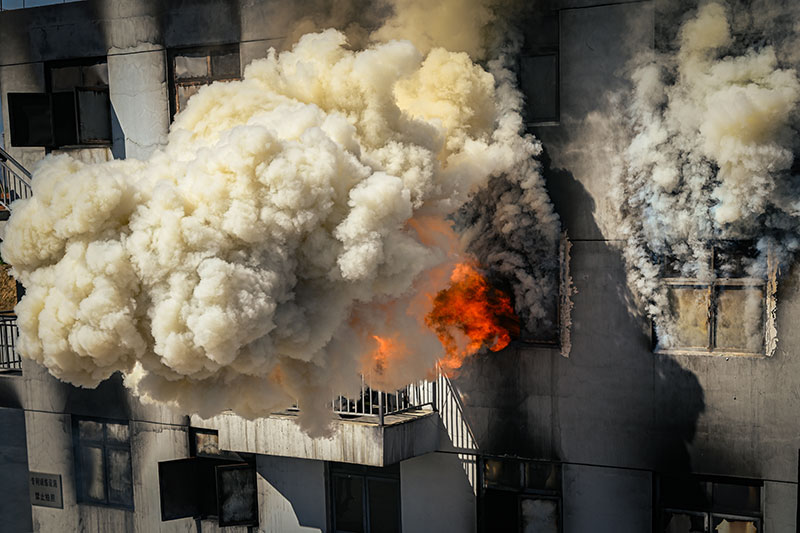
[
  {"x": 378, "y": 404},
  {"x": 7, "y": 5},
  {"x": 15, "y": 181},
  {"x": 9, "y": 358}
]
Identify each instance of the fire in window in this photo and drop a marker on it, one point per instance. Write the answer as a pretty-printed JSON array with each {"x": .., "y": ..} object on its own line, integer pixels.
[
  {"x": 192, "y": 68},
  {"x": 730, "y": 311},
  {"x": 518, "y": 495},
  {"x": 365, "y": 499},
  {"x": 103, "y": 462},
  {"x": 75, "y": 110},
  {"x": 709, "y": 505}
]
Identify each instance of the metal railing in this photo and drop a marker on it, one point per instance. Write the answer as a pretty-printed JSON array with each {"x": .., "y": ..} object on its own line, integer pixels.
[
  {"x": 375, "y": 403},
  {"x": 8, "y": 5},
  {"x": 9, "y": 358},
  {"x": 15, "y": 181}
]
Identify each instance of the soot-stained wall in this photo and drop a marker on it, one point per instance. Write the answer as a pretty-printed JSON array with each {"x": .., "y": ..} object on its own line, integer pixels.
[{"x": 614, "y": 412}]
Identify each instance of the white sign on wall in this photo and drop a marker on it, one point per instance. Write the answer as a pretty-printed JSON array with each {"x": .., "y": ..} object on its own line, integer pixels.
[{"x": 46, "y": 490}]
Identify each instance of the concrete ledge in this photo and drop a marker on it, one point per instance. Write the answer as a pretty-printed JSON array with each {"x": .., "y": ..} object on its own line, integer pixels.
[{"x": 359, "y": 440}]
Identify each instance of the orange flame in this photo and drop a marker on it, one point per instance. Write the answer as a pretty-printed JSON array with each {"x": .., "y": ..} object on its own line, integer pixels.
[
  {"x": 386, "y": 347},
  {"x": 472, "y": 307}
]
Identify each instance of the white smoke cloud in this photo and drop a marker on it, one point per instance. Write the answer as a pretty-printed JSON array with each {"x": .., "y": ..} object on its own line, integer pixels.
[
  {"x": 249, "y": 263},
  {"x": 711, "y": 153}
]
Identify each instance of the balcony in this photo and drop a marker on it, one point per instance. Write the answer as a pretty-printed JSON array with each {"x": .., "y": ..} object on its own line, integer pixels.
[{"x": 375, "y": 428}]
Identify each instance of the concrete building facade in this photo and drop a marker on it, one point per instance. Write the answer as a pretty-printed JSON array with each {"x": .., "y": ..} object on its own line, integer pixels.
[{"x": 615, "y": 437}]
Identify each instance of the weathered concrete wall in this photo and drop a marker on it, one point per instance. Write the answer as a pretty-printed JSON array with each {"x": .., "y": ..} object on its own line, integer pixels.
[
  {"x": 291, "y": 495},
  {"x": 780, "y": 502},
  {"x": 50, "y": 450},
  {"x": 601, "y": 499},
  {"x": 436, "y": 495},
  {"x": 351, "y": 441},
  {"x": 137, "y": 88},
  {"x": 15, "y": 503},
  {"x": 613, "y": 403}
]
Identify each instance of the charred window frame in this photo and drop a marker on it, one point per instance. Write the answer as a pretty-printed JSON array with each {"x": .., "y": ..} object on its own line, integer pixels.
[
  {"x": 203, "y": 442},
  {"x": 104, "y": 475},
  {"x": 560, "y": 306},
  {"x": 192, "y": 68},
  {"x": 364, "y": 499},
  {"x": 539, "y": 70},
  {"x": 517, "y": 494},
  {"x": 701, "y": 504},
  {"x": 716, "y": 316},
  {"x": 211, "y": 484},
  {"x": 75, "y": 110}
]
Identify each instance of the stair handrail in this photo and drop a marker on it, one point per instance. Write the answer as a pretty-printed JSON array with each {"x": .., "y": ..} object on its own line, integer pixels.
[{"x": 15, "y": 180}]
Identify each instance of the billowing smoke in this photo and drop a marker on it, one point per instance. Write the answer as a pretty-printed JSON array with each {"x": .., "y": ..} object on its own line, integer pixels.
[
  {"x": 714, "y": 135},
  {"x": 293, "y": 227}
]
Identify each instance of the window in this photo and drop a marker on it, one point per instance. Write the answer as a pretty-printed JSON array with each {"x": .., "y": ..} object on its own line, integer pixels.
[
  {"x": 365, "y": 499},
  {"x": 731, "y": 312},
  {"x": 709, "y": 505},
  {"x": 203, "y": 442},
  {"x": 193, "y": 68},
  {"x": 539, "y": 71},
  {"x": 222, "y": 487},
  {"x": 103, "y": 462},
  {"x": 75, "y": 110},
  {"x": 519, "y": 495}
]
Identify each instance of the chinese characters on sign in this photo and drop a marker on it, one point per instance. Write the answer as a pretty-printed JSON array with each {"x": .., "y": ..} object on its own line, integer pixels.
[{"x": 46, "y": 490}]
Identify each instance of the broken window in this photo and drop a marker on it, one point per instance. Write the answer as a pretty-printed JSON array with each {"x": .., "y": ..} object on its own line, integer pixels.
[
  {"x": 539, "y": 72},
  {"x": 365, "y": 499},
  {"x": 518, "y": 495},
  {"x": 74, "y": 111},
  {"x": 730, "y": 311},
  {"x": 103, "y": 462},
  {"x": 709, "y": 505},
  {"x": 203, "y": 442},
  {"x": 192, "y": 68},
  {"x": 224, "y": 488}
]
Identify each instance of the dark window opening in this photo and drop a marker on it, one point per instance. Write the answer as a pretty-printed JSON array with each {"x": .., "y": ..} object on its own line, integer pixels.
[
  {"x": 539, "y": 70},
  {"x": 222, "y": 488},
  {"x": 74, "y": 111},
  {"x": 365, "y": 499},
  {"x": 700, "y": 504},
  {"x": 103, "y": 462},
  {"x": 192, "y": 68},
  {"x": 519, "y": 495}
]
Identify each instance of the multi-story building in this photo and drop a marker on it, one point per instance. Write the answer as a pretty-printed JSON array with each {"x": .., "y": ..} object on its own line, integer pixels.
[{"x": 616, "y": 437}]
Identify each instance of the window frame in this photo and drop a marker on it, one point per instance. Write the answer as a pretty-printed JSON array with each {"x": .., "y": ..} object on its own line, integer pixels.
[
  {"x": 768, "y": 287},
  {"x": 59, "y": 114},
  {"x": 197, "y": 81},
  {"x": 709, "y": 511},
  {"x": 104, "y": 445},
  {"x": 522, "y": 490},
  {"x": 533, "y": 47},
  {"x": 49, "y": 67},
  {"x": 562, "y": 305},
  {"x": 365, "y": 473}
]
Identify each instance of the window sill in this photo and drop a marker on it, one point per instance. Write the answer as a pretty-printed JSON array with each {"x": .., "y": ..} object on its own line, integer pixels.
[
  {"x": 107, "y": 506},
  {"x": 709, "y": 353}
]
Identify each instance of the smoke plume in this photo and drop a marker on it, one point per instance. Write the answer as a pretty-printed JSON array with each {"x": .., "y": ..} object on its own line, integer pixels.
[
  {"x": 292, "y": 230},
  {"x": 711, "y": 157}
]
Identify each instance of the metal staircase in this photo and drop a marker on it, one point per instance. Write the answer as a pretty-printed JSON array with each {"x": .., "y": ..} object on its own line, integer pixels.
[{"x": 15, "y": 183}]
